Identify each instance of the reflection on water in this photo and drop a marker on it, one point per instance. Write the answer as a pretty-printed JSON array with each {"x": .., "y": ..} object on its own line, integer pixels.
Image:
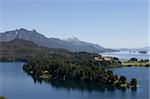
[{"x": 74, "y": 85}]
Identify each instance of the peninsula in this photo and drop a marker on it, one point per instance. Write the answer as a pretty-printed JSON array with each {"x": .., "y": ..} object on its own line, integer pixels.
[{"x": 59, "y": 64}]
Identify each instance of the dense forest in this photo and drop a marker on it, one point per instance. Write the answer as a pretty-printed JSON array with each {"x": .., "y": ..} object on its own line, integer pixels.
[{"x": 60, "y": 64}]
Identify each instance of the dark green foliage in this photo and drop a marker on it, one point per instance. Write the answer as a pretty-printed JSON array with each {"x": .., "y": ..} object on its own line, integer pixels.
[
  {"x": 133, "y": 82},
  {"x": 122, "y": 79},
  {"x": 144, "y": 60},
  {"x": 62, "y": 69},
  {"x": 2, "y": 97},
  {"x": 133, "y": 59}
]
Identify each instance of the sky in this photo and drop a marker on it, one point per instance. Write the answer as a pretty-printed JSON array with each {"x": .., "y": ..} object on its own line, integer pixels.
[{"x": 109, "y": 23}]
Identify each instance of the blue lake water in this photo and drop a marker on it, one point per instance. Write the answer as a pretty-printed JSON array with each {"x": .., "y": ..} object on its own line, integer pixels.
[
  {"x": 125, "y": 55},
  {"x": 15, "y": 84}
]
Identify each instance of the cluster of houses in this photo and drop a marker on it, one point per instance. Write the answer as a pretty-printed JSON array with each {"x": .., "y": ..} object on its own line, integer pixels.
[{"x": 106, "y": 58}]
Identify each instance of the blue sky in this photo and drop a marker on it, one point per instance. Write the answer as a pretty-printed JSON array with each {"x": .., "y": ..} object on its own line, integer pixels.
[{"x": 110, "y": 23}]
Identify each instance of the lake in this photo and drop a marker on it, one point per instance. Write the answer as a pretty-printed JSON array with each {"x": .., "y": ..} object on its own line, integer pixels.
[
  {"x": 16, "y": 84},
  {"x": 126, "y": 55}
]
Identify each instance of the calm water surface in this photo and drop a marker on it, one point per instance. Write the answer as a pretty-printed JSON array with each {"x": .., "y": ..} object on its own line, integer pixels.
[
  {"x": 125, "y": 55},
  {"x": 15, "y": 84}
]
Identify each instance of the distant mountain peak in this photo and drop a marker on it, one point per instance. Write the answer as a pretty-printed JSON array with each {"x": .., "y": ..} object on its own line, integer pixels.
[
  {"x": 72, "y": 39},
  {"x": 21, "y": 30},
  {"x": 25, "y": 30},
  {"x": 34, "y": 30},
  {"x": 135, "y": 49}
]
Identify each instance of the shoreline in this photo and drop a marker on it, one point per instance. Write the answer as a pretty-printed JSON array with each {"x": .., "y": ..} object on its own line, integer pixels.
[{"x": 135, "y": 64}]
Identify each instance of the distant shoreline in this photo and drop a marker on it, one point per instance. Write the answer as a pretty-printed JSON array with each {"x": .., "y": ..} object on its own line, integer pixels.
[{"x": 135, "y": 64}]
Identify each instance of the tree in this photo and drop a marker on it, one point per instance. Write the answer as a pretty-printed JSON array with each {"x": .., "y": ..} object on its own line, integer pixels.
[
  {"x": 133, "y": 82},
  {"x": 122, "y": 79},
  {"x": 133, "y": 59}
]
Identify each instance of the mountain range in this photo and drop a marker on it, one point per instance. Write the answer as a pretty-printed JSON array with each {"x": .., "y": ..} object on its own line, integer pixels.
[
  {"x": 72, "y": 44},
  {"x": 135, "y": 49}
]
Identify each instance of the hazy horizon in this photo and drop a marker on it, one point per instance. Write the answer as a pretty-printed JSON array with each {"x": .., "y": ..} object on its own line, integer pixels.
[{"x": 111, "y": 24}]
